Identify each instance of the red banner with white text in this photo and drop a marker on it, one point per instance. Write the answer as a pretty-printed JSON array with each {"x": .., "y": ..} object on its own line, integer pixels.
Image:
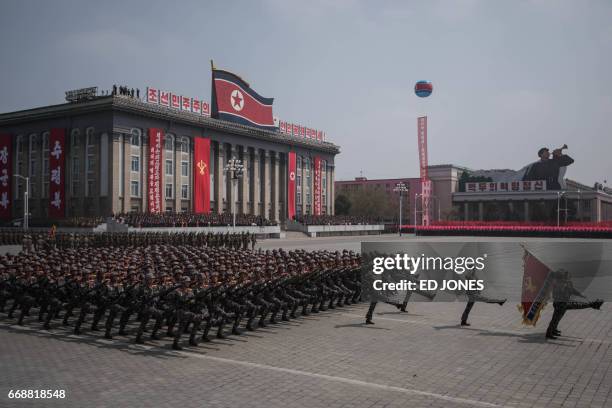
[
  {"x": 422, "y": 134},
  {"x": 291, "y": 186},
  {"x": 201, "y": 175},
  {"x": 6, "y": 175},
  {"x": 155, "y": 170},
  {"x": 317, "y": 185},
  {"x": 57, "y": 161}
]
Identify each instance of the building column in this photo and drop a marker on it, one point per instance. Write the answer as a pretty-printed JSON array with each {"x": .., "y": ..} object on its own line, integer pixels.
[
  {"x": 332, "y": 196},
  {"x": 245, "y": 182},
  {"x": 267, "y": 181},
  {"x": 230, "y": 194},
  {"x": 275, "y": 186},
  {"x": 115, "y": 192},
  {"x": 219, "y": 163},
  {"x": 526, "y": 205},
  {"x": 466, "y": 211},
  {"x": 177, "y": 174},
  {"x": 127, "y": 173},
  {"x": 480, "y": 211},
  {"x": 256, "y": 183}
]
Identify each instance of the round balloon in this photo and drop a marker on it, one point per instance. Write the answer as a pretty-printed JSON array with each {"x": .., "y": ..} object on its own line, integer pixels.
[{"x": 423, "y": 89}]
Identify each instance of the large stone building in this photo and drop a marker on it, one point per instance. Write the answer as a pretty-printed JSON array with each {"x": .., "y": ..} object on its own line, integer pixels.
[{"x": 106, "y": 160}]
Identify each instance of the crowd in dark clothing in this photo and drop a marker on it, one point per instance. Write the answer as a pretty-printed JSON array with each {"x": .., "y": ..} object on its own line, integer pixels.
[
  {"x": 335, "y": 220},
  {"x": 182, "y": 288},
  {"x": 189, "y": 219}
]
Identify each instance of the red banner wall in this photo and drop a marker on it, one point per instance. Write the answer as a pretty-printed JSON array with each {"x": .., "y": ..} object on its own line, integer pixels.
[
  {"x": 57, "y": 161},
  {"x": 291, "y": 186},
  {"x": 6, "y": 175},
  {"x": 317, "y": 185},
  {"x": 201, "y": 175},
  {"x": 155, "y": 170}
]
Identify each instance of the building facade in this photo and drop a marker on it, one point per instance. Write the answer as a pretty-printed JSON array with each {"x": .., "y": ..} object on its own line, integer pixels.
[
  {"x": 577, "y": 202},
  {"x": 106, "y": 168}
]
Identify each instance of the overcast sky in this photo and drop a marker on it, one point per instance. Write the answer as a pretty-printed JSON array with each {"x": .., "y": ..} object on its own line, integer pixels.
[{"x": 509, "y": 76}]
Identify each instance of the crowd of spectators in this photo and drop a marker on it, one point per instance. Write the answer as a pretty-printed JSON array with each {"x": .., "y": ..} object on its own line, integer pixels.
[
  {"x": 189, "y": 219},
  {"x": 336, "y": 220}
]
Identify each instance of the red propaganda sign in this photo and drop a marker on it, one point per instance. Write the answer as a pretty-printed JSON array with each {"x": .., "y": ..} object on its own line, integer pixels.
[
  {"x": 291, "y": 186},
  {"x": 196, "y": 106},
  {"x": 426, "y": 201},
  {"x": 152, "y": 95},
  {"x": 164, "y": 98},
  {"x": 317, "y": 185},
  {"x": 57, "y": 161},
  {"x": 201, "y": 175},
  {"x": 186, "y": 103},
  {"x": 6, "y": 175},
  {"x": 175, "y": 101},
  {"x": 155, "y": 170},
  {"x": 422, "y": 134},
  {"x": 205, "y": 108}
]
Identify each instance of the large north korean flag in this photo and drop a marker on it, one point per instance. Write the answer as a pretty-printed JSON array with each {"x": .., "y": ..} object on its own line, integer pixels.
[{"x": 233, "y": 100}]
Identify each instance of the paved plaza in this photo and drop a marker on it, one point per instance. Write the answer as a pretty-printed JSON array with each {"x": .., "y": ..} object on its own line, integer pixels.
[
  {"x": 415, "y": 359},
  {"x": 422, "y": 358}
]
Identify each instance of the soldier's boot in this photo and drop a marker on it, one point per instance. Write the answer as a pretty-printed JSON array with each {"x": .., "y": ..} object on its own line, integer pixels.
[
  {"x": 12, "y": 309},
  {"x": 331, "y": 302},
  {"x": 108, "y": 326},
  {"x": 262, "y": 317},
  {"x": 596, "y": 304},
  {"x": 207, "y": 327},
  {"x": 158, "y": 323},
  {"x": 2, "y": 304},
  {"x": 24, "y": 312},
  {"x": 305, "y": 309},
  {"x": 80, "y": 320},
  {"x": 322, "y": 306},
  {"x": 249, "y": 324},
  {"x": 402, "y": 306},
  {"x": 177, "y": 335},
  {"x": 141, "y": 329},
  {"x": 170, "y": 331},
  {"x": 273, "y": 316},
  {"x": 285, "y": 316},
  {"x": 220, "y": 334},
  {"x": 294, "y": 309},
  {"x": 123, "y": 321},
  {"x": 193, "y": 340},
  {"x": 41, "y": 312},
  {"x": 67, "y": 316},
  {"x": 237, "y": 320},
  {"x": 50, "y": 315},
  {"x": 96, "y": 320}
]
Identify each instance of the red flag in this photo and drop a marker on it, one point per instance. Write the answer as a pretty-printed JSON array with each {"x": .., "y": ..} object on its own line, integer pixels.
[
  {"x": 6, "y": 175},
  {"x": 233, "y": 100},
  {"x": 201, "y": 175},
  {"x": 57, "y": 160},
  {"x": 291, "y": 186},
  {"x": 536, "y": 288}
]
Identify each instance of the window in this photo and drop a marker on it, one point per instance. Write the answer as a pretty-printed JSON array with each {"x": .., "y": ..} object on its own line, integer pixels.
[
  {"x": 136, "y": 163},
  {"x": 185, "y": 191},
  {"x": 169, "y": 143},
  {"x": 74, "y": 137},
  {"x": 135, "y": 138},
  {"x": 169, "y": 167},
  {"x": 185, "y": 145},
  {"x": 75, "y": 168},
  {"x": 185, "y": 169},
  {"x": 168, "y": 190},
  {"x": 135, "y": 188}
]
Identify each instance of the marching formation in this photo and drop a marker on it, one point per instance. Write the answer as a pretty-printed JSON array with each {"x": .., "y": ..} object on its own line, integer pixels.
[{"x": 173, "y": 289}]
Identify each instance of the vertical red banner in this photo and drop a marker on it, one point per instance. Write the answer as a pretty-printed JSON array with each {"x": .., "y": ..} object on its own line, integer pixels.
[
  {"x": 6, "y": 175},
  {"x": 155, "y": 170},
  {"x": 291, "y": 185},
  {"x": 201, "y": 175},
  {"x": 425, "y": 182},
  {"x": 422, "y": 135},
  {"x": 57, "y": 166},
  {"x": 317, "y": 185}
]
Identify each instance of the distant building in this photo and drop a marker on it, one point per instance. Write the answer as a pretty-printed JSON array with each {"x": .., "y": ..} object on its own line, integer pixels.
[{"x": 486, "y": 201}]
